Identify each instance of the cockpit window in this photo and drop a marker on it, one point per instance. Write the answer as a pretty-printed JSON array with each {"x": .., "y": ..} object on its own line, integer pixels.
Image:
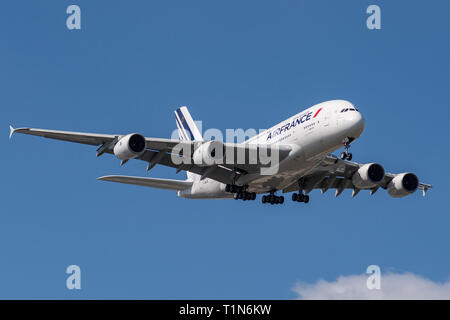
[{"x": 349, "y": 109}]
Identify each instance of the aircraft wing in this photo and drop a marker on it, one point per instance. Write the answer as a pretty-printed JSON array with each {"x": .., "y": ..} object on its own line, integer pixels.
[
  {"x": 94, "y": 139},
  {"x": 334, "y": 173},
  {"x": 160, "y": 151}
]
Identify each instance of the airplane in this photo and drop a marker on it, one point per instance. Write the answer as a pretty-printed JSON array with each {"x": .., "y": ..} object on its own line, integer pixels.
[{"x": 303, "y": 147}]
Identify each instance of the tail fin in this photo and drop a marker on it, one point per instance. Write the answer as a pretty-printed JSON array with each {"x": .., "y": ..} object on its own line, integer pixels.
[{"x": 187, "y": 130}]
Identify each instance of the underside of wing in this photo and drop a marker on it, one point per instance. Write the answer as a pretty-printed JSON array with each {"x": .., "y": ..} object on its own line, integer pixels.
[
  {"x": 216, "y": 172},
  {"x": 334, "y": 173}
]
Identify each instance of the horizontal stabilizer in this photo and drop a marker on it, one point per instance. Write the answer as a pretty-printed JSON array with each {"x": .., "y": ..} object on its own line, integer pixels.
[{"x": 167, "y": 184}]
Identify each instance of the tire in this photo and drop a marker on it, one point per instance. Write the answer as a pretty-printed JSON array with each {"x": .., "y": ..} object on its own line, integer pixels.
[
  {"x": 306, "y": 200},
  {"x": 271, "y": 199},
  {"x": 253, "y": 195},
  {"x": 301, "y": 197},
  {"x": 294, "y": 197},
  {"x": 349, "y": 156},
  {"x": 343, "y": 156},
  {"x": 281, "y": 200},
  {"x": 264, "y": 199},
  {"x": 235, "y": 196},
  {"x": 227, "y": 188}
]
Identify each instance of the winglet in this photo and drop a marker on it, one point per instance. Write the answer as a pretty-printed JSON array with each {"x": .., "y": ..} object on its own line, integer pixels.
[{"x": 11, "y": 131}]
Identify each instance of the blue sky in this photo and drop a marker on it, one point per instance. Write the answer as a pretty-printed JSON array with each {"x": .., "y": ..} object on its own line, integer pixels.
[{"x": 236, "y": 64}]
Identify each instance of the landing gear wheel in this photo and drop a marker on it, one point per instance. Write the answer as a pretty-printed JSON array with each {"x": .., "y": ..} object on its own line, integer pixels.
[
  {"x": 235, "y": 196},
  {"x": 306, "y": 199},
  {"x": 294, "y": 197},
  {"x": 270, "y": 198},
  {"x": 349, "y": 156},
  {"x": 343, "y": 156},
  {"x": 253, "y": 195},
  {"x": 301, "y": 197}
]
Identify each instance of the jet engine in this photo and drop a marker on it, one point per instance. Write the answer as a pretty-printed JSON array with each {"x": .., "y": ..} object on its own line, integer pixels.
[
  {"x": 129, "y": 146},
  {"x": 402, "y": 185},
  {"x": 368, "y": 176},
  {"x": 209, "y": 153}
]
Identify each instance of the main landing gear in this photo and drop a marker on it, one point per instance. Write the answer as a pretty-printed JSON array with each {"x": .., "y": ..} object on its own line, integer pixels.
[
  {"x": 240, "y": 193},
  {"x": 273, "y": 199},
  {"x": 345, "y": 155},
  {"x": 300, "y": 197}
]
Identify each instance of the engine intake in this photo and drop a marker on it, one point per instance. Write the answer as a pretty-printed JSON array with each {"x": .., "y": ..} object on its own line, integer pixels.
[
  {"x": 129, "y": 146},
  {"x": 402, "y": 185},
  {"x": 368, "y": 176}
]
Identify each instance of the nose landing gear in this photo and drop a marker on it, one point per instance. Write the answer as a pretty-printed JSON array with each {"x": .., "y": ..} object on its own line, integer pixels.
[{"x": 345, "y": 155}]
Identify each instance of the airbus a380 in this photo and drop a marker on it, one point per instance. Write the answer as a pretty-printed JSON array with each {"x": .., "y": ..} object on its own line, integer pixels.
[{"x": 304, "y": 144}]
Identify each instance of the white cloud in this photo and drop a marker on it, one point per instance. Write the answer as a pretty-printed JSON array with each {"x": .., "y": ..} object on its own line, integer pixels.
[{"x": 393, "y": 286}]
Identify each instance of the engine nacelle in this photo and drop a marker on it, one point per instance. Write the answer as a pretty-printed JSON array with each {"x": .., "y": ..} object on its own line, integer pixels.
[
  {"x": 209, "y": 153},
  {"x": 402, "y": 185},
  {"x": 368, "y": 176},
  {"x": 129, "y": 146}
]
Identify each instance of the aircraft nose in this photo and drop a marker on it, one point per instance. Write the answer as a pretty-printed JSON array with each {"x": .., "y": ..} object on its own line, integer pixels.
[
  {"x": 354, "y": 123},
  {"x": 358, "y": 123}
]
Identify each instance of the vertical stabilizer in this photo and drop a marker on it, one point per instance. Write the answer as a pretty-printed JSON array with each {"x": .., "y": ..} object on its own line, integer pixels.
[
  {"x": 188, "y": 131},
  {"x": 187, "y": 128}
]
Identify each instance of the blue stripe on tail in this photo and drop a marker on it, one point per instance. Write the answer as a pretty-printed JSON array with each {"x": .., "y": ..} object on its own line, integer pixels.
[{"x": 184, "y": 124}]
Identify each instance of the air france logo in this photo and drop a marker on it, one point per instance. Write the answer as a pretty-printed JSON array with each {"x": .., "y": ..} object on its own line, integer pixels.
[{"x": 286, "y": 127}]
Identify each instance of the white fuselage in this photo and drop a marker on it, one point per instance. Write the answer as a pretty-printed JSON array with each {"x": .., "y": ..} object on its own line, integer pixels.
[{"x": 312, "y": 134}]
